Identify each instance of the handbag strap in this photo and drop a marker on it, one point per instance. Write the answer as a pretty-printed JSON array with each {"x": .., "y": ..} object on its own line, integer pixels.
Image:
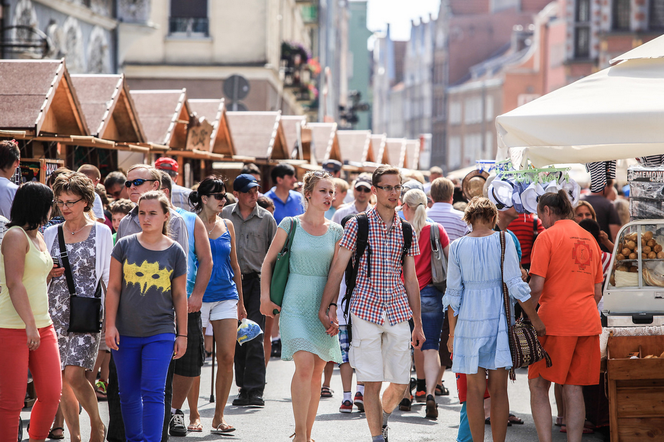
[
  {"x": 506, "y": 297},
  {"x": 291, "y": 233},
  {"x": 64, "y": 257}
]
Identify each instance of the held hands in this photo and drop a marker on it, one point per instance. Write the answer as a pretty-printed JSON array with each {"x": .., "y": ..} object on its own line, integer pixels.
[
  {"x": 33, "y": 338},
  {"x": 329, "y": 320},
  {"x": 180, "y": 347},
  {"x": 418, "y": 337},
  {"x": 112, "y": 338},
  {"x": 268, "y": 307}
]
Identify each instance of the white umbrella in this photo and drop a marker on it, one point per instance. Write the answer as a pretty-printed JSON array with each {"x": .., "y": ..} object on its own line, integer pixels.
[{"x": 613, "y": 114}]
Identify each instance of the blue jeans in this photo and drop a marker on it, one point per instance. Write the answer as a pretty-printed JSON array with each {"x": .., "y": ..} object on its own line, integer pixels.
[
  {"x": 142, "y": 365},
  {"x": 464, "y": 429},
  {"x": 431, "y": 301}
]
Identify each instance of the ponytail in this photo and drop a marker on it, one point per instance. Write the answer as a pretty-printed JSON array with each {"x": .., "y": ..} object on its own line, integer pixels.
[
  {"x": 558, "y": 203},
  {"x": 417, "y": 200}
]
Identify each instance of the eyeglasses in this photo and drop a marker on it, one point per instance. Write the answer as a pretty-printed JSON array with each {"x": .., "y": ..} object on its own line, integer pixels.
[
  {"x": 390, "y": 189},
  {"x": 218, "y": 196},
  {"x": 136, "y": 183},
  {"x": 68, "y": 204},
  {"x": 364, "y": 189}
]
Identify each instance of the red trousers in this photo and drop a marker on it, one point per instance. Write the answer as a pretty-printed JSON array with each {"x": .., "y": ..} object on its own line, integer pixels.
[{"x": 44, "y": 364}]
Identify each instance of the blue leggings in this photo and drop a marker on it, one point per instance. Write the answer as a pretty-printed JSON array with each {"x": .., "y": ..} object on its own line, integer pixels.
[{"x": 142, "y": 365}]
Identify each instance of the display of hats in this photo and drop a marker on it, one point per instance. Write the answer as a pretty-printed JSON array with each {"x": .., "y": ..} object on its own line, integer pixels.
[
  {"x": 530, "y": 197},
  {"x": 573, "y": 190},
  {"x": 501, "y": 193},
  {"x": 473, "y": 184}
]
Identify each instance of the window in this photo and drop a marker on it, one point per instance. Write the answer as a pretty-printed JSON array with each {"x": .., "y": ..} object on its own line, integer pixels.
[
  {"x": 455, "y": 112},
  {"x": 473, "y": 110},
  {"x": 454, "y": 152},
  {"x": 656, "y": 14},
  {"x": 472, "y": 148},
  {"x": 582, "y": 29},
  {"x": 621, "y": 15},
  {"x": 189, "y": 17},
  {"x": 488, "y": 109}
]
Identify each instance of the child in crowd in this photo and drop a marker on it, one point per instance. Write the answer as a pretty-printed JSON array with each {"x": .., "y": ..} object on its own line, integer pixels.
[{"x": 119, "y": 209}]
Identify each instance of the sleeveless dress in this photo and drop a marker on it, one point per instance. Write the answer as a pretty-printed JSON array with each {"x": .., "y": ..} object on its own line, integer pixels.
[
  {"x": 309, "y": 265},
  {"x": 78, "y": 349}
]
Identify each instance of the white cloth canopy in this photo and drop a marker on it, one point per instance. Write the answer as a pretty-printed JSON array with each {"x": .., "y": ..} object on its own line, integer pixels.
[{"x": 613, "y": 114}]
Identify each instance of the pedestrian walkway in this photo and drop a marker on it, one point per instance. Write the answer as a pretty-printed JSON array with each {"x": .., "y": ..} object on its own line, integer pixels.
[{"x": 275, "y": 421}]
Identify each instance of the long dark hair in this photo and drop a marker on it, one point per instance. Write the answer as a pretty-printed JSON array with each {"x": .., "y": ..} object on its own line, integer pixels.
[
  {"x": 31, "y": 204},
  {"x": 211, "y": 184},
  {"x": 558, "y": 203}
]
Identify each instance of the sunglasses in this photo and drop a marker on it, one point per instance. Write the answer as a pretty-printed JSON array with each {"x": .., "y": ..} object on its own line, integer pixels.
[
  {"x": 217, "y": 196},
  {"x": 363, "y": 189},
  {"x": 136, "y": 183}
]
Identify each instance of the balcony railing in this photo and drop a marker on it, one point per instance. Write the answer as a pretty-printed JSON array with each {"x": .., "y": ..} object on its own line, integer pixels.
[{"x": 188, "y": 26}]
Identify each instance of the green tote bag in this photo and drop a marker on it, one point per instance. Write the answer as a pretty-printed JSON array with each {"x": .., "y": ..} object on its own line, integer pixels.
[{"x": 280, "y": 270}]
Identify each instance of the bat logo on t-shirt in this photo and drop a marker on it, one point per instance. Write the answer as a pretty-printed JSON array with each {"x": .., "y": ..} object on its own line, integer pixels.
[{"x": 147, "y": 275}]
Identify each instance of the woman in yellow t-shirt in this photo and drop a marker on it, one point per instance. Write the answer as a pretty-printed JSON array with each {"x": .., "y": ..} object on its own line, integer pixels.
[{"x": 27, "y": 336}]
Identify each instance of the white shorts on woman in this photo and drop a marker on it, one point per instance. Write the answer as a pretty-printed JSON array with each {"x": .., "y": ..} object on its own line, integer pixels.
[{"x": 216, "y": 311}]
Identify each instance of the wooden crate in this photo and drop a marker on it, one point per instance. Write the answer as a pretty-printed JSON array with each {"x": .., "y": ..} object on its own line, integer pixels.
[{"x": 636, "y": 389}]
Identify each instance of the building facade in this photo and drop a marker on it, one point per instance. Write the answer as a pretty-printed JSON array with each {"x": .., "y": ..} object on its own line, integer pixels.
[
  {"x": 359, "y": 59},
  {"x": 418, "y": 76}
]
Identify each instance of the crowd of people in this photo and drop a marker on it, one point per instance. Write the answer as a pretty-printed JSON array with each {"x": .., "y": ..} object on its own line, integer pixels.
[{"x": 177, "y": 268}]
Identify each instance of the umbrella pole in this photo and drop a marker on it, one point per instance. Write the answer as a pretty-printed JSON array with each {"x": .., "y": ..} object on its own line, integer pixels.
[{"x": 213, "y": 359}]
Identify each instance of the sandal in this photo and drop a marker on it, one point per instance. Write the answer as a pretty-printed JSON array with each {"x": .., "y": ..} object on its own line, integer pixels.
[
  {"x": 442, "y": 390},
  {"x": 559, "y": 421},
  {"x": 487, "y": 421},
  {"x": 223, "y": 428},
  {"x": 326, "y": 392},
  {"x": 195, "y": 427},
  {"x": 53, "y": 436},
  {"x": 515, "y": 420},
  {"x": 586, "y": 430}
]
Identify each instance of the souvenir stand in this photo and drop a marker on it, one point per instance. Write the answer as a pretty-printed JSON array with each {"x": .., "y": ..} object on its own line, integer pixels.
[{"x": 607, "y": 116}]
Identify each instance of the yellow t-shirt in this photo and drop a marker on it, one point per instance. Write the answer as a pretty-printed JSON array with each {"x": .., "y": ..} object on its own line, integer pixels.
[{"x": 37, "y": 266}]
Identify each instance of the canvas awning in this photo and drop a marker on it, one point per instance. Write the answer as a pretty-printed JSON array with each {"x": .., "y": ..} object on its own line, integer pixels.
[
  {"x": 258, "y": 135},
  {"x": 355, "y": 146},
  {"x": 613, "y": 114}
]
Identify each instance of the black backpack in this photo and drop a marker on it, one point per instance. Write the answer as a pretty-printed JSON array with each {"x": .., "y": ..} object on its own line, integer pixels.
[{"x": 362, "y": 244}]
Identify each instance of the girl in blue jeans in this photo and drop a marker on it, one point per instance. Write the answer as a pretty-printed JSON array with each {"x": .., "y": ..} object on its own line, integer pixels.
[{"x": 146, "y": 293}]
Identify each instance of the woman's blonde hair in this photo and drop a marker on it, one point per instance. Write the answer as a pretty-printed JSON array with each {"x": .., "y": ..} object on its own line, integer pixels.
[
  {"x": 311, "y": 179},
  {"x": 480, "y": 209},
  {"x": 417, "y": 200},
  {"x": 161, "y": 198}
]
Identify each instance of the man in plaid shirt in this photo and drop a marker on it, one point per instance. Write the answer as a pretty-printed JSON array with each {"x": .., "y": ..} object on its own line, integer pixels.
[{"x": 380, "y": 305}]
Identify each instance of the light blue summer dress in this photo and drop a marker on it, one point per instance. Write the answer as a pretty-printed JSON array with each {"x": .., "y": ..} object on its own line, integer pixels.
[{"x": 474, "y": 291}]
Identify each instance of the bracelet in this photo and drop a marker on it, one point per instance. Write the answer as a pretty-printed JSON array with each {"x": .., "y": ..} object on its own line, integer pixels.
[
  {"x": 331, "y": 304},
  {"x": 181, "y": 336}
]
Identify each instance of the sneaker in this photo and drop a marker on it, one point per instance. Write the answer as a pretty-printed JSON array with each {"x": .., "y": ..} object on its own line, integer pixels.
[
  {"x": 255, "y": 400},
  {"x": 420, "y": 396},
  {"x": 346, "y": 407},
  {"x": 241, "y": 400},
  {"x": 385, "y": 430},
  {"x": 432, "y": 408},
  {"x": 176, "y": 427},
  {"x": 359, "y": 402}
]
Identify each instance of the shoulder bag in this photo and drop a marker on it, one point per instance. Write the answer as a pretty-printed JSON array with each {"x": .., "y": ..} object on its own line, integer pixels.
[
  {"x": 85, "y": 314},
  {"x": 525, "y": 348},
  {"x": 280, "y": 270},
  {"x": 438, "y": 260}
]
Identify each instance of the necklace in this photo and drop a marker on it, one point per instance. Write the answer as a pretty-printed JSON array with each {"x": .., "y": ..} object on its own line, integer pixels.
[
  {"x": 213, "y": 226},
  {"x": 74, "y": 233}
]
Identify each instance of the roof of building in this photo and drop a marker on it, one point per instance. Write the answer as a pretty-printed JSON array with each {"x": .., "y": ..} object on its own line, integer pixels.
[
  {"x": 355, "y": 146},
  {"x": 396, "y": 151},
  {"x": 412, "y": 154},
  {"x": 326, "y": 142},
  {"x": 292, "y": 124},
  {"x": 164, "y": 115},
  {"x": 258, "y": 135},
  {"x": 214, "y": 110},
  {"x": 379, "y": 147}
]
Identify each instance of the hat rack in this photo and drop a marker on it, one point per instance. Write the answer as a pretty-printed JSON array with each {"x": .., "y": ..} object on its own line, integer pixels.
[{"x": 543, "y": 175}]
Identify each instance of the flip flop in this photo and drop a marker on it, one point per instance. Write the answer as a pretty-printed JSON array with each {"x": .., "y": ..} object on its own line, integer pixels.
[
  {"x": 196, "y": 427},
  {"x": 223, "y": 428},
  {"x": 54, "y": 436},
  {"x": 515, "y": 420}
]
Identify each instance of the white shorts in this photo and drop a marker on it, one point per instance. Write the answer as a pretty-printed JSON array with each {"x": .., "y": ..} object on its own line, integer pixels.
[
  {"x": 380, "y": 353},
  {"x": 216, "y": 311}
]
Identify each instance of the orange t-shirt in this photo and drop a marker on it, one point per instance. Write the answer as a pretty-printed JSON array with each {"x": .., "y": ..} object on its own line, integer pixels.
[{"x": 570, "y": 260}]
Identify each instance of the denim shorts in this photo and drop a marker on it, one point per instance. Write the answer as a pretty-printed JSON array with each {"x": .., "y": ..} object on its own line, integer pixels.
[
  {"x": 431, "y": 301},
  {"x": 344, "y": 343}
]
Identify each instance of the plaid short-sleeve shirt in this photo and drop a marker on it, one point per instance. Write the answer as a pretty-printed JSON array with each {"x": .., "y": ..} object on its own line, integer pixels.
[{"x": 383, "y": 291}]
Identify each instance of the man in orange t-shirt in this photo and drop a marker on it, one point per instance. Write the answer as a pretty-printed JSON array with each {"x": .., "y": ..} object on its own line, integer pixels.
[{"x": 566, "y": 280}]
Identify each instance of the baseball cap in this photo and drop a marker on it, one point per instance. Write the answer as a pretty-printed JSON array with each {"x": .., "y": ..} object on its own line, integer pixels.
[
  {"x": 332, "y": 166},
  {"x": 244, "y": 182},
  {"x": 165, "y": 163},
  {"x": 363, "y": 181},
  {"x": 410, "y": 185}
]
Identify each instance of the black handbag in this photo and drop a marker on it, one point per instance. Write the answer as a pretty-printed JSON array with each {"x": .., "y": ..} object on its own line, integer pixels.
[{"x": 85, "y": 314}]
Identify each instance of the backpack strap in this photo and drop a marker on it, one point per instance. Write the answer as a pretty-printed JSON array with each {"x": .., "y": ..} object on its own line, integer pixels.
[
  {"x": 407, "y": 239},
  {"x": 363, "y": 241}
]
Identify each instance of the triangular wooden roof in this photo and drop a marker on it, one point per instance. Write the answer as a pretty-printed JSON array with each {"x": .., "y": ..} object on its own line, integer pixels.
[
  {"x": 108, "y": 108},
  {"x": 355, "y": 146},
  {"x": 258, "y": 135},
  {"x": 308, "y": 151},
  {"x": 326, "y": 142},
  {"x": 396, "y": 151},
  {"x": 214, "y": 110},
  {"x": 38, "y": 98},
  {"x": 379, "y": 147},
  {"x": 164, "y": 115},
  {"x": 292, "y": 124},
  {"x": 412, "y": 154}
]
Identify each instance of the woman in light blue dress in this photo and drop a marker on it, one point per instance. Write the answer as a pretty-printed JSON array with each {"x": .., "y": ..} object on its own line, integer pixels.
[
  {"x": 478, "y": 328},
  {"x": 303, "y": 337}
]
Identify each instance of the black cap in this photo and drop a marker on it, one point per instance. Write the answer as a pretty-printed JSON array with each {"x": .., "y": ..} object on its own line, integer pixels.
[
  {"x": 245, "y": 182},
  {"x": 332, "y": 166}
]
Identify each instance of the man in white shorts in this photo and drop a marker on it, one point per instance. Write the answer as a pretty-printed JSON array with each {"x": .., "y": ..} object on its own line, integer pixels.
[{"x": 381, "y": 304}]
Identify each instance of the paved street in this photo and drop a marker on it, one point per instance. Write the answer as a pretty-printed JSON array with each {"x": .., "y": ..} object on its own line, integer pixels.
[{"x": 275, "y": 422}]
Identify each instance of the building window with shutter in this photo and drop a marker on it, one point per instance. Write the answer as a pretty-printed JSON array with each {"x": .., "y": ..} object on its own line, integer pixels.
[
  {"x": 189, "y": 17},
  {"x": 621, "y": 15},
  {"x": 656, "y": 14},
  {"x": 582, "y": 29}
]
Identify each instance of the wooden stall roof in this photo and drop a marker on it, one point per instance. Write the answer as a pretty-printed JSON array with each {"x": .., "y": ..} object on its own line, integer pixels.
[
  {"x": 37, "y": 98},
  {"x": 379, "y": 147},
  {"x": 164, "y": 115},
  {"x": 326, "y": 142},
  {"x": 108, "y": 108},
  {"x": 214, "y": 110},
  {"x": 355, "y": 146},
  {"x": 258, "y": 135},
  {"x": 396, "y": 151},
  {"x": 412, "y": 154},
  {"x": 292, "y": 124},
  {"x": 308, "y": 152}
]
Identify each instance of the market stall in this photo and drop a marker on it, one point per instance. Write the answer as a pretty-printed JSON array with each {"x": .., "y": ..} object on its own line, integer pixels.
[
  {"x": 396, "y": 152},
  {"x": 325, "y": 141}
]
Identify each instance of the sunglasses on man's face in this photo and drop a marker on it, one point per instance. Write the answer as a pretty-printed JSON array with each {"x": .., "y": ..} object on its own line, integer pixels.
[
  {"x": 136, "y": 183},
  {"x": 363, "y": 189}
]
